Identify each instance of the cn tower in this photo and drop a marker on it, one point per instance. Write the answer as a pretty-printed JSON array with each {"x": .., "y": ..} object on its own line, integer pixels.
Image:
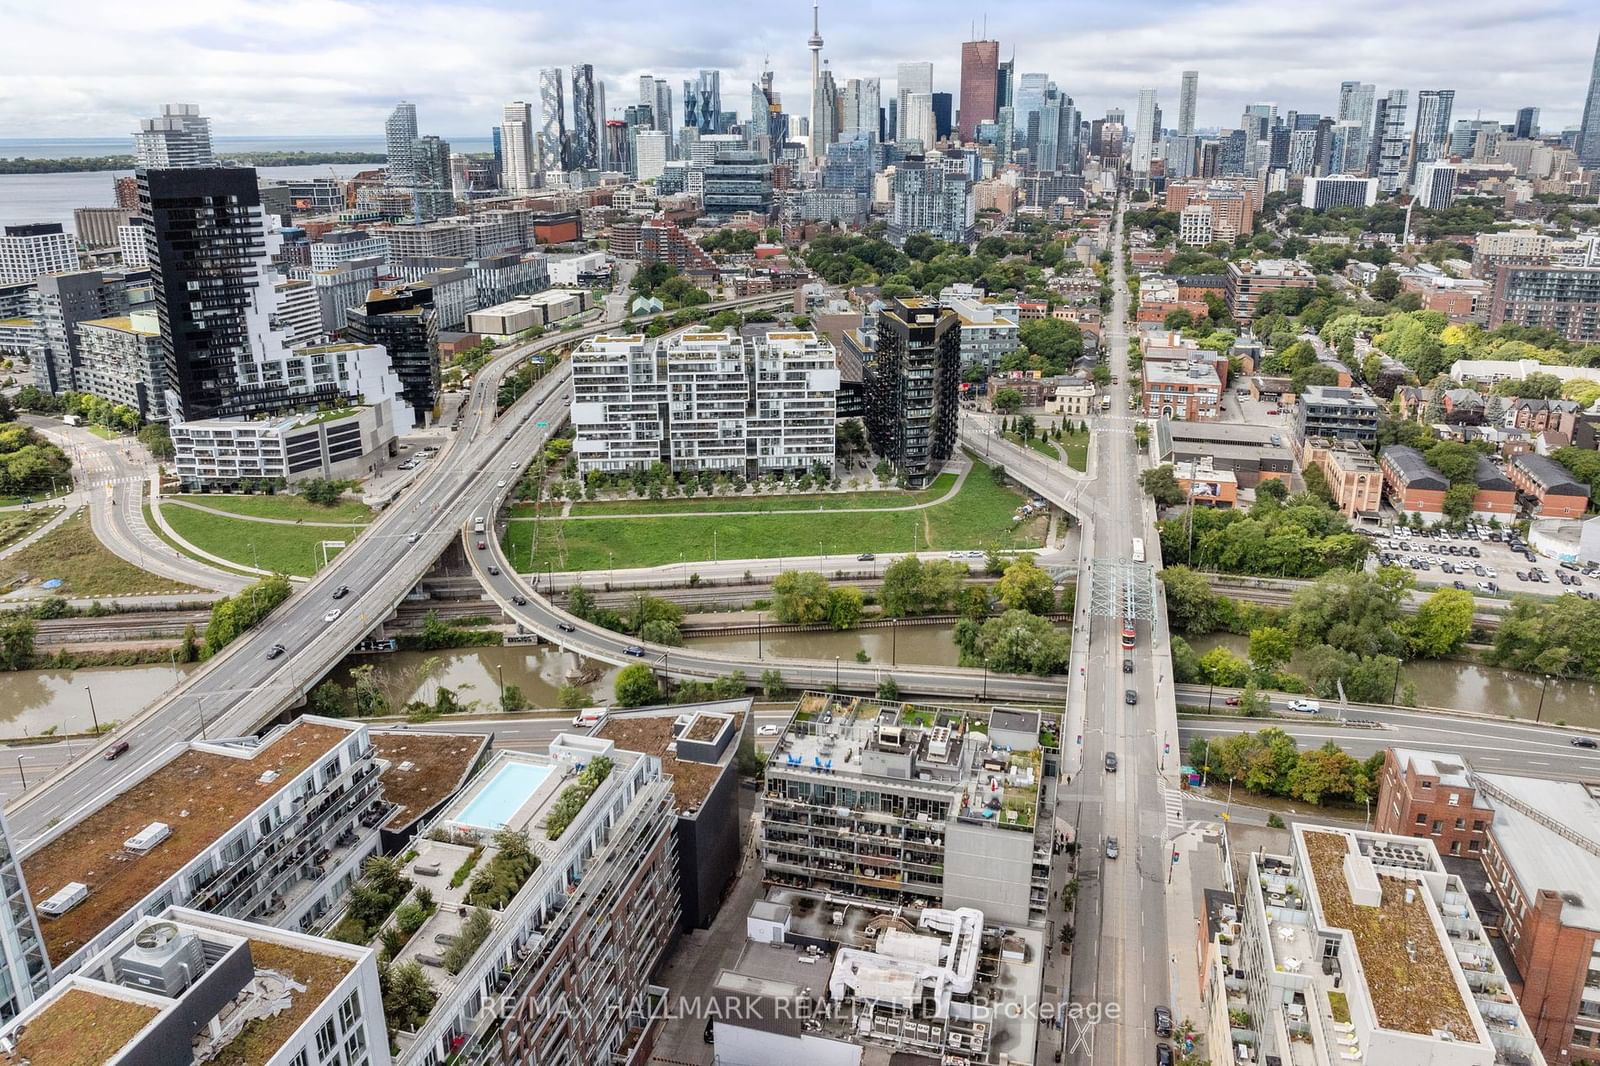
[{"x": 817, "y": 112}]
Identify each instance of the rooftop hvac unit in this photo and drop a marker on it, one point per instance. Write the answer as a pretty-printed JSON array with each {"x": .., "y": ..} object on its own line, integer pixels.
[
  {"x": 267, "y": 777},
  {"x": 162, "y": 959},
  {"x": 74, "y": 893},
  {"x": 148, "y": 837}
]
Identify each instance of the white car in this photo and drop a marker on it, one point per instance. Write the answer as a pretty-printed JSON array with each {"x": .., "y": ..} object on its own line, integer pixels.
[
  {"x": 955, "y": 555},
  {"x": 333, "y": 615},
  {"x": 767, "y": 731},
  {"x": 500, "y": 484},
  {"x": 1305, "y": 706}
]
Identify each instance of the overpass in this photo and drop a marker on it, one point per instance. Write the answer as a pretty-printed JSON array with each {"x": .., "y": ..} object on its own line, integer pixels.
[{"x": 238, "y": 691}]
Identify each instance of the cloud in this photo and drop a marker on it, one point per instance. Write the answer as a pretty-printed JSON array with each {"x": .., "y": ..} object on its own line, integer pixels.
[{"x": 94, "y": 67}]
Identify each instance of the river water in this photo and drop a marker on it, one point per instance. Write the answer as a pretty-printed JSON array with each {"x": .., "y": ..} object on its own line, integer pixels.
[
  {"x": 34, "y": 700},
  {"x": 1473, "y": 687}
]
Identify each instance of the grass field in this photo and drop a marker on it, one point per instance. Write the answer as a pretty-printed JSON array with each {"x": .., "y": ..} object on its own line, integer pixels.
[
  {"x": 1077, "y": 445},
  {"x": 104, "y": 432},
  {"x": 284, "y": 549},
  {"x": 835, "y": 501},
  {"x": 978, "y": 517},
  {"x": 290, "y": 507},
  {"x": 71, "y": 553},
  {"x": 150, "y": 520},
  {"x": 1043, "y": 447},
  {"x": 18, "y": 524}
]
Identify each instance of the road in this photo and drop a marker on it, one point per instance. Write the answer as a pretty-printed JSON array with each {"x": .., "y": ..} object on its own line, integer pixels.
[
  {"x": 240, "y": 689},
  {"x": 111, "y": 475}
]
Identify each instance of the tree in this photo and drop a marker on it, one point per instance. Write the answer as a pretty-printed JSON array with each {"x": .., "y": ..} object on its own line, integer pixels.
[
  {"x": 1016, "y": 642},
  {"x": 1007, "y": 400},
  {"x": 573, "y": 697},
  {"x": 636, "y": 686},
  {"x": 1055, "y": 343},
  {"x": 1270, "y": 648},
  {"x": 1162, "y": 485},
  {"x": 1385, "y": 285},
  {"x": 661, "y": 631},
  {"x": 1191, "y": 605},
  {"x": 1458, "y": 501},
  {"x": 850, "y": 436},
  {"x": 1219, "y": 666},
  {"x": 845, "y": 605},
  {"x": 1323, "y": 773},
  {"x": 321, "y": 491},
  {"x": 156, "y": 438},
  {"x": 512, "y": 700},
  {"x": 189, "y": 651},
  {"x": 580, "y": 602},
  {"x": 888, "y": 689},
  {"x": 911, "y": 586},
  {"x": 1271, "y": 490},
  {"x": 1535, "y": 386},
  {"x": 801, "y": 596},
  {"x": 1025, "y": 587},
  {"x": 1352, "y": 611},
  {"x": 408, "y": 996},
  {"x": 771, "y": 684}
]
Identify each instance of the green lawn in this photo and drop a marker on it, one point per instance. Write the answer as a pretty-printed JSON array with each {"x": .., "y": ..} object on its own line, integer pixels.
[
  {"x": 104, "y": 432},
  {"x": 1077, "y": 445},
  {"x": 71, "y": 553},
  {"x": 833, "y": 501},
  {"x": 18, "y": 524},
  {"x": 290, "y": 507},
  {"x": 286, "y": 549},
  {"x": 1038, "y": 444},
  {"x": 181, "y": 549},
  {"x": 978, "y": 517},
  {"x": 37, "y": 497}
]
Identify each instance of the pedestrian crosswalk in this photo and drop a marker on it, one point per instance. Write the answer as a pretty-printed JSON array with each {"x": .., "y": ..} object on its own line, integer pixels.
[{"x": 1172, "y": 799}]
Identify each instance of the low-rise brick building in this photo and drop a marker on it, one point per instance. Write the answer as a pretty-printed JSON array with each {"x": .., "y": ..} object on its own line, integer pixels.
[
  {"x": 1352, "y": 474},
  {"x": 1423, "y": 794},
  {"x": 1414, "y": 487},
  {"x": 1550, "y": 488}
]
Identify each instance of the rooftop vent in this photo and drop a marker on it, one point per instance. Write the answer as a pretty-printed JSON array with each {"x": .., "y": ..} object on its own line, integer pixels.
[
  {"x": 148, "y": 837},
  {"x": 72, "y": 894},
  {"x": 267, "y": 777}
]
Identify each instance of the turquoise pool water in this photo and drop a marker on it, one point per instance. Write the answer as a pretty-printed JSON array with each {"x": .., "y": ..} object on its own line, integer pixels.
[{"x": 508, "y": 790}]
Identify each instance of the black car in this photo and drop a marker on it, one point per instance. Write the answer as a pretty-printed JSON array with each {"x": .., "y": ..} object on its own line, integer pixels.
[
  {"x": 711, "y": 1030},
  {"x": 634, "y": 650},
  {"x": 1585, "y": 742},
  {"x": 341, "y": 592},
  {"x": 494, "y": 571},
  {"x": 1163, "y": 1055},
  {"x": 568, "y": 627},
  {"x": 1163, "y": 1021},
  {"x": 1111, "y": 762},
  {"x": 275, "y": 651},
  {"x": 1127, "y": 666},
  {"x": 1130, "y": 697},
  {"x": 520, "y": 600}
]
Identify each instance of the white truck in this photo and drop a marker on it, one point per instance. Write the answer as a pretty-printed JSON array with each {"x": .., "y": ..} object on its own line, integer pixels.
[{"x": 589, "y": 718}]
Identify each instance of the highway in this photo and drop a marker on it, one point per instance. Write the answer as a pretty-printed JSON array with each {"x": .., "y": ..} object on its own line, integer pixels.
[{"x": 239, "y": 690}]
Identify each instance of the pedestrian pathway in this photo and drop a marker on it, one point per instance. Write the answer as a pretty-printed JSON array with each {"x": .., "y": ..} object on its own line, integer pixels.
[
  {"x": 263, "y": 518},
  {"x": 962, "y": 469}
]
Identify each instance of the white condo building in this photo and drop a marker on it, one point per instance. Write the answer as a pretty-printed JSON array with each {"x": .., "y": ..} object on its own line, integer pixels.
[
  {"x": 178, "y": 138},
  {"x": 34, "y": 249},
  {"x": 705, "y": 401}
]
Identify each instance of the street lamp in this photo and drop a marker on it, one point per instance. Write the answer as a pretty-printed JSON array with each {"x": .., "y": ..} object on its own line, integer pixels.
[
  {"x": 21, "y": 774},
  {"x": 894, "y": 641},
  {"x": 836, "y": 673},
  {"x": 1544, "y": 687},
  {"x": 500, "y": 674},
  {"x": 95, "y": 718},
  {"x": 761, "y": 617}
]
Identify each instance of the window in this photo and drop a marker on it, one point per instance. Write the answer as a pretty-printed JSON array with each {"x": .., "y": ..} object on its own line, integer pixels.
[
  {"x": 1422, "y": 819},
  {"x": 349, "y": 1012},
  {"x": 1474, "y": 845},
  {"x": 1454, "y": 800},
  {"x": 1461, "y": 823},
  {"x": 327, "y": 1041},
  {"x": 1477, "y": 825},
  {"x": 356, "y": 1045},
  {"x": 300, "y": 1059},
  {"x": 1582, "y": 1037},
  {"x": 1425, "y": 784}
]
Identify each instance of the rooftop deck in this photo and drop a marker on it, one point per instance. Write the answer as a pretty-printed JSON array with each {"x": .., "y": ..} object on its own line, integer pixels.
[{"x": 201, "y": 794}]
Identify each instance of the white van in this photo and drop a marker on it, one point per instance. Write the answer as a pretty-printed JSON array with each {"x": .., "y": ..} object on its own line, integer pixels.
[{"x": 590, "y": 718}]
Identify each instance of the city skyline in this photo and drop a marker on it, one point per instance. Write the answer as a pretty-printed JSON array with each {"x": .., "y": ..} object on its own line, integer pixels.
[{"x": 461, "y": 64}]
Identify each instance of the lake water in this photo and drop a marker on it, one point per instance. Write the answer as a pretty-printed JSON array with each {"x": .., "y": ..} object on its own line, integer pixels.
[{"x": 53, "y": 197}]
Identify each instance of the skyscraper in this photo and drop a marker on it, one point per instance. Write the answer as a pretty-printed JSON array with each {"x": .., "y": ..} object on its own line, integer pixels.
[
  {"x": 1389, "y": 142},
  {"x": 1430, "y": 139},
  {"x": 1527, "y": 125},
  {"x": 585, "y": 144},
  {"x": 911, "y": 78},
  {"x": 519, "y": 164},
  {"x": 1356, "y": 105},
  {"x": 1029, "y": 97},
  {"x": 943, "y": 107},
  {"x": 824, "y": 111},
  {"x": 1589, "y": 133},
  {"x": 702, "y": 101},
  {"x": 821, "y": 101},
  {"x": 980, "y": 86},
  {"x": 181, "y": 137},
  {"x": 430, "y": 177},
  {"x": 1005, "y": 88},
  {"x": 1186, "y": 101},
  {"x": 553, "y": 121},
  {"x": 1145, "y": 134},
  {"x": 399, "y": 134},
  {"x": 917, "y": 122}
]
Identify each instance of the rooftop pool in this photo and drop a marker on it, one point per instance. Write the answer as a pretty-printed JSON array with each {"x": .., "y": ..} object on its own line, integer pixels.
[{"x": 503, "y": 795}]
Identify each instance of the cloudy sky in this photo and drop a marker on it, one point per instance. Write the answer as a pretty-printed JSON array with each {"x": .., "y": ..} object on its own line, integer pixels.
[{"x": 88, "y": 68}]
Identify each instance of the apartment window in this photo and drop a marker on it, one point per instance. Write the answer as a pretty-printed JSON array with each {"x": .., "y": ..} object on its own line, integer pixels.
[
  {"x": 1461, "y": 823},
  {"x": 327, "y": 1041},
  {"x": 1422, "y": 819},
  {"x": 1474, "y": 845},
  {"x": 349, "y": 1012},
  {"x": 300, "y": 1059},
  {"x": 1425, "y": 784},
  {"x": 1477, "y": 825},
  {"x": 355, "y": 1047},
  {"x": 1455, "y": 799},
  {"x": 1438, "y": 827},
  {"x": 1583, "y": 1037}
]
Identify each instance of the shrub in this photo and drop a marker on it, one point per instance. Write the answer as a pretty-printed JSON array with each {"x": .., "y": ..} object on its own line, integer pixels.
[{"x": 575, "y": 795}]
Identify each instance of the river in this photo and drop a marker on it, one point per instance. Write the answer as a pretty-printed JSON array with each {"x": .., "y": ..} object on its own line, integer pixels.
[
  {"x": 35, "y": 700},
  {"x": 1473, "y": 686}
]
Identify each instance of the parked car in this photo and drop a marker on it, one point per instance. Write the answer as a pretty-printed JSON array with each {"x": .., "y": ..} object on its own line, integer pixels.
[
  {"x": 1163, "y": 1021},
  {"x": 1163, "y": 1055},
  {"x": 767, "y": 731}
]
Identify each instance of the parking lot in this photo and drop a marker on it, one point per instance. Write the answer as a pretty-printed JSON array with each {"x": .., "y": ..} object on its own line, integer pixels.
[{"x": 1475, "y": 561}]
